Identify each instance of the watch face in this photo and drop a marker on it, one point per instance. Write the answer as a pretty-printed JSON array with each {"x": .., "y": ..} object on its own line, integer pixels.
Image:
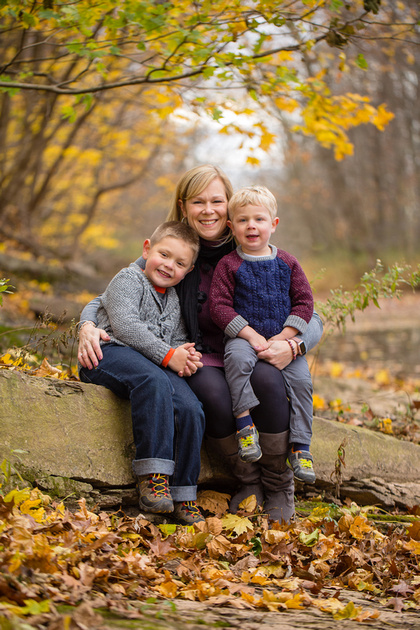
[{"x": 302, "y": 347}]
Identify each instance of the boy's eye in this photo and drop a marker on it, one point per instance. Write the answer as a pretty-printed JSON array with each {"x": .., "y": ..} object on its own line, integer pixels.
[{"x": 181, "y": 264}]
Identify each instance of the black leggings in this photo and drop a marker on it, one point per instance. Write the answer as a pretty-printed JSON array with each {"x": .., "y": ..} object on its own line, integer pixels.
[{"x": 270, "y": 416}]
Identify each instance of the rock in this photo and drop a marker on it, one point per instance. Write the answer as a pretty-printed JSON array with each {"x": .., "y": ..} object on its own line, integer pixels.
[{"x": 71, "y": 438}]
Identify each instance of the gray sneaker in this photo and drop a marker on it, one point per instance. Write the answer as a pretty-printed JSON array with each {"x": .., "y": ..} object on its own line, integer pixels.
[
  {"x": 248, "y": 446},
  {"x": 301, "y": 462},
  {"x": 154, "y": 493}
]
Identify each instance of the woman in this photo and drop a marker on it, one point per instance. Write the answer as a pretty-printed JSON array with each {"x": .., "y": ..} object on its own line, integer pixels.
[{"x": 201, "y": 200}]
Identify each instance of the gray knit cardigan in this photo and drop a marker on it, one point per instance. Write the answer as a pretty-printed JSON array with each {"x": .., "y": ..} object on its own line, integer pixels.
[{"x": 134, "y": 314}]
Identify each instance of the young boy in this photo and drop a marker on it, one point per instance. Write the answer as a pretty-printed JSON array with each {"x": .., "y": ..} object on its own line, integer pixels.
[
  {"x": 140, "y": 312},
  {"x": 260, "y": 294}
]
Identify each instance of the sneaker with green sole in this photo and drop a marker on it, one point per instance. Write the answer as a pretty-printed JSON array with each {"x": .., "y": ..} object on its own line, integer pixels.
[
  {"x": 188, "y": 513},
  {"x": 248, "y": 445},
  {"x": 154, "y": 493},
  {"x": 301, "y": 462}
]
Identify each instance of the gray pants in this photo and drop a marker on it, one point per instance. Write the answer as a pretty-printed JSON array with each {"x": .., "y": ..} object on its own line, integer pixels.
[{"x": 240, "y": 359}]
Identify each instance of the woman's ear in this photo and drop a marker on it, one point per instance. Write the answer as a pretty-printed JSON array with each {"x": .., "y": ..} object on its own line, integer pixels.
[
  {"x": 146, "y": 248},
  {"x": 182, "y": 208}
]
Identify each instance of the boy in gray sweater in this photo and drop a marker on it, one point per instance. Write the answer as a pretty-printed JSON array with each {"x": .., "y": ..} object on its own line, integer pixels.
[{"x": 144, "y": 359}]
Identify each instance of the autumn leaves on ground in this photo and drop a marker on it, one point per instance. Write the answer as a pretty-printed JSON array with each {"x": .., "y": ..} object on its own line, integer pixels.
[
  {"x": 62, "y": 569},
  {"x": 52, "y": 560}
]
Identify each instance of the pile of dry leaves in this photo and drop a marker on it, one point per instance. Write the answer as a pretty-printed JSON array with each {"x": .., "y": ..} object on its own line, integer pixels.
[{"x": 51, "y": 558}]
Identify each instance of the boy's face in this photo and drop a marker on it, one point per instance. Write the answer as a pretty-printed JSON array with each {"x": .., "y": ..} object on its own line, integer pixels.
[
  {"x": 168, "y": 261},
  {"x": 252, "y": 227}
]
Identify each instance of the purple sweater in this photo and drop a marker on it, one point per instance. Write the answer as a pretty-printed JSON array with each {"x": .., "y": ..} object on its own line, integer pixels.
[{"x": 266, "y": 293}]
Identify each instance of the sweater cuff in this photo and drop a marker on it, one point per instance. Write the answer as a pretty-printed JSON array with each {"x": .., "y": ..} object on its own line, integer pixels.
[
  {"x": 296, "y": 322},
  {"x": 233, "y": 329},
  {"x": 168, "y": 357}
]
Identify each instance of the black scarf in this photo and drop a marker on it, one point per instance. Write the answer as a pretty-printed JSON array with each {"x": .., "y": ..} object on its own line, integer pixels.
[{"x": 188, "y": 289}]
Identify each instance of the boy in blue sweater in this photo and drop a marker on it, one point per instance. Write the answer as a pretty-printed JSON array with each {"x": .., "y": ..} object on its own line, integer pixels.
[{"x": 260, "y": 294}]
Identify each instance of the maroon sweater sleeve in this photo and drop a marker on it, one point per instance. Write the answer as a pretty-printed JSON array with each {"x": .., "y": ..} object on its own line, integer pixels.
[
  {"x": 300, "y": 290},
  {"x": 222, "y": 292}
]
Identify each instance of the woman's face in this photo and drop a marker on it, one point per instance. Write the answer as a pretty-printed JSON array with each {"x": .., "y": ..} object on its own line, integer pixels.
[{"x": 207, "y": 212}]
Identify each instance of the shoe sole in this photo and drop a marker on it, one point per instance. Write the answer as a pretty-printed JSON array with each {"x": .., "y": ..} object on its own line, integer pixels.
[
  {"x": 249, "y": 461},
  {"x": 152, "y": 510}
]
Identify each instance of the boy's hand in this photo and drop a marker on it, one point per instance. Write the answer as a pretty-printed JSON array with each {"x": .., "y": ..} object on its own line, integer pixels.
[
  {"x": 257, "y": 341},
  {"x": 287, "y": 333},
  {"x": 185, "y": 359},
  {"x": 193, "y": 362}
]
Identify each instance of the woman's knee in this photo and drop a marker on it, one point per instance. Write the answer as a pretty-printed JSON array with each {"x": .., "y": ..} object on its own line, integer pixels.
[{"x": 267, "y": 378}]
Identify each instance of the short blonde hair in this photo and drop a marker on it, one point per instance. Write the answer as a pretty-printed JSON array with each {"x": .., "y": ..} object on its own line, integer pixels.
[
  {"x": 192, "y": 183},
  {"x": 179, "y": 230},
  {"x": 254, "y": 196}
]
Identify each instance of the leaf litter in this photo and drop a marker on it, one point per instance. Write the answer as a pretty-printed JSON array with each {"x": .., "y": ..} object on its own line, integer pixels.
[{"x": 55, "y": 563}]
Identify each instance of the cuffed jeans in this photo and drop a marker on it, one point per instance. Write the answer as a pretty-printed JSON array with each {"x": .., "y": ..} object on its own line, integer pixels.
[{"x": 168, "y": 419}]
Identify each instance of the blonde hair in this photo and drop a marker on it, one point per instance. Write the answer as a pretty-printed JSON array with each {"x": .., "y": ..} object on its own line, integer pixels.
[
  {"x": 254, "y": 196},
  {"x": 179, "y": 230},
  {"x": 192, "y": 183}
]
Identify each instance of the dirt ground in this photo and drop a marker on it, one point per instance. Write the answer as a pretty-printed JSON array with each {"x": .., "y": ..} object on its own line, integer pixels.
[{"x": 182, "y": 615}]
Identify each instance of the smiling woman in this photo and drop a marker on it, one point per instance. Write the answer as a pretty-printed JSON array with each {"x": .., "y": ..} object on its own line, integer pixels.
[{"x": 207, "y": 212}]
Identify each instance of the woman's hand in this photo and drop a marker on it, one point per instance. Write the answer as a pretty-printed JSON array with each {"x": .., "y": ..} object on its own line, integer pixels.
[
  {"x": 89, "y": 351},
  {"x": 278, "y": 354}
]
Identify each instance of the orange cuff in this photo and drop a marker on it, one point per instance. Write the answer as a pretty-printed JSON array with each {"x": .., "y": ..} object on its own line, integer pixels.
[{"x": 168, "y": 357}]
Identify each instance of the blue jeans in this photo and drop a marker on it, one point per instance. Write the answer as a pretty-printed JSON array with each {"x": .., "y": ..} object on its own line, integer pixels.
[{"x": 168, "y": 420}]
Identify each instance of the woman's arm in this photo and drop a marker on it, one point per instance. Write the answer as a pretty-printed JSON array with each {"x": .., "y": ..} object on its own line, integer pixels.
[
  {"x": 89, "y": 351},
  {"x": 313, "y": 333}
]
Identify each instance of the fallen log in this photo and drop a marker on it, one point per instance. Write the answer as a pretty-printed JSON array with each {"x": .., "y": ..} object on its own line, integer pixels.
[{"x": 75, "y": 439}]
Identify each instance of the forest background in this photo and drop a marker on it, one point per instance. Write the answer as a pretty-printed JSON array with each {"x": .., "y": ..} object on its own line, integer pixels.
[{"x": 104, "y": 104}]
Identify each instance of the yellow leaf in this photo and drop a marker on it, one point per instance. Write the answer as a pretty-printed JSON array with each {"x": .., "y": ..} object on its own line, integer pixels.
[
  {"x": 382, "y": 377},
  {"x": 249, "y": 504},
  {"x": 382, "y": 118},
  {"x": 385, "y": 425},
  {"x": 360, "y": 527},
  {"x": 167, "y": 589},
  {"x": 318, "y": 402},
  {"x": 348, "y": 612},
  {"x": 298, "y": 601},
  {"x": 336, "y": 369},
  {"x": 27, "y": 507},
  {"x": 274, "y": 536},
  {"x": 330, "y": 605},
  {"x": 17, "y": 496},
  {"x": 237, "y": 524}
]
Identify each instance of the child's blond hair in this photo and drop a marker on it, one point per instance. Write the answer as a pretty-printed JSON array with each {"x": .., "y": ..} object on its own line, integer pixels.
[
  {"x": 179, "y": 230},
  {"x": 253, "y": 196}
]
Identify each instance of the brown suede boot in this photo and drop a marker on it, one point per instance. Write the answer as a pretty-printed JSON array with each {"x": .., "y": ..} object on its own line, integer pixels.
[
  {"x": 276, "y": 477},
  {"x": 247, "y": 473}
]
